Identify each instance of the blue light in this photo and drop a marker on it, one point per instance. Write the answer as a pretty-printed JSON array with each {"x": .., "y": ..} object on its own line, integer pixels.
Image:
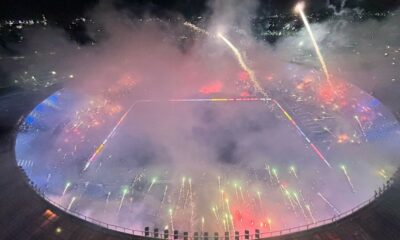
[
  {"x": 374, "y": 102},
  {"x": 39, "y": 108},
  {"x": 29, "y": 120},
  {"x": 53, "y": 98}
]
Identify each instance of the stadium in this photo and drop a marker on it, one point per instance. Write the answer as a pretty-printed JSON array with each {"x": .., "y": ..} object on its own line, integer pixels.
[{"x": 219, "y": 141}]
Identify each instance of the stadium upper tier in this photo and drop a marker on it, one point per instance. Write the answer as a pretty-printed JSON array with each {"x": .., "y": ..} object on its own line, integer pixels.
[{"x": 24, "y": 214}]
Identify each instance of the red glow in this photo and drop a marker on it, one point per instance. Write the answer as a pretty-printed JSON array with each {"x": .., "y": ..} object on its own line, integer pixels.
[
  {"x": 270, "y": 77},
  {"x": 342, "y": 138},
  {"x": 327, "y": 94},
  {"x": 214, "y": 87},
  {"x": 333, "y": 94},
  {"x": 244, "y": 94},
  {"x": 244, "y": 76}
]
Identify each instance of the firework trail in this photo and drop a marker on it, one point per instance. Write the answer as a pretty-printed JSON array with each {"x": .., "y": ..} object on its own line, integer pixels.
[
  {"x": 197, "y": 29},
  {"x": 269, "y": 224},
  {"x": 153, "y": 181},
  {"x": 124, "y": 192},
  {"x": 292, "y": 170},
  {"x": 231, "y": 219},
  {"x": 222, "y": 197},
  {"x": 300, "y": 9},
  {"x": 219, "y": 183},
  {"x": 229, "y": 215},
  {"x": 275, "y": 173},
  {"x": 181, "y": 190},
  {"x": 224, "y": 222},
  {"x": 136, "y": 179},
  {"x": 191, "y": 203},
  {"x": 171, "y": 219},
  {"x": 187, "y": 198},
  {"x": 236, "y": 192},
  {"x": 310, "y": 213},
  {"x": 299, "y": 204},
  {"x": 228, "y": 206},
  {"x": 330, "y": 132},
  {"x": 66, "y": 188},
  {"x": 241, "y": 193},
  {"x": 165, "y": 193},
  {"x": 202, "y": 225},
  {"x": 343, "y": 167},
  {"x": 337, "y": 212},
  {"x": 108, "y": 197},
  {"x": 259, "y": 198},
  {"x": 244, "y": 66},
  {"x": 361, "y": 127},
  {"x": 289, "y": 196},
  {"x": 70, "y": 203},
  {"x": 383, "y": 174},
  {"x": 214, "y": 210},
  {"x": 48, "y": 178},
  {"x": 267, "y": 167}
]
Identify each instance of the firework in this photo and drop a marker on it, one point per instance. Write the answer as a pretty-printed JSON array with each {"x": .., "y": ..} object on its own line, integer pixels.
[
  {"x": 191, "y": 203},
  {"x": 269, "y": 224},
  {"x": 171, "y": 219},
  {"x": 153, "y": 181},
  {"x": 244, "y": 66},
  {"x": 227, "y": 205},
  {"x": 310, "y": 213},
  {"x": 275, "y": 173},
  {"x": 292, "y": 170},
  {"x": 232, "y": 223},
  {"x": 343, "y": 167},
  {"x": 289, "y": 196},
  {"x": 108, "y": 197},
  {"x": 300, "y": 9},
  {"x": 202, "y": 224},
  {"x": 383, "y": 174},
  {"x": 70, "y": 203},
  {"x": 268, "y": 168},
  {"x": 361, "y": 127},
  {"x": 236, "y": 191},
  {"x": 241, "y": 193},
  {"x": 182, "y": 188},
  {"x": 219, "y": 183},
  {"x": 299, "y": 204},
  {"x": 124, "y": 192},
  {"x": 164, "y": 194},
  {"x": 197, "y": 29},
  {"x": 214, "y": 210},
  {"x": 67, "y": 185},
  {"x": 259, "y": 198},
  {"x": 225, "y": 225},
  {"x": 337, "y": 212}
]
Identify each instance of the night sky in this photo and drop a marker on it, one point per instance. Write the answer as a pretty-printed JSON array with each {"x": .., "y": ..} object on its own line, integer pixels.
[{"x": 63, "y": 11}]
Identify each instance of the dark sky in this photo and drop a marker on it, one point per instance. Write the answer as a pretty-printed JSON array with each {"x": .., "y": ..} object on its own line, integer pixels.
[{"x": 62, "y": 11}]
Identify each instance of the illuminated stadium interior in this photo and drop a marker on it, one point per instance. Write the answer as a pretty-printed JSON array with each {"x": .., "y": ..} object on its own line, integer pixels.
[{"x": 235, "y": 119}]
